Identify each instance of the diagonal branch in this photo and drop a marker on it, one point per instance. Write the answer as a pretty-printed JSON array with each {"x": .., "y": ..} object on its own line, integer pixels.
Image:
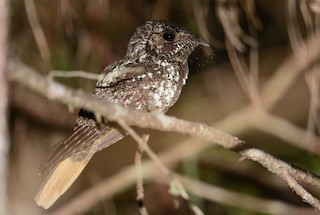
[
  {"x": 38, "y": 32},
  {"x": 180, "y": 190},
  {"x": 289, "y": 71},
  {"x": 287, "y": 173},
  {"x": 139, "y": 182}
]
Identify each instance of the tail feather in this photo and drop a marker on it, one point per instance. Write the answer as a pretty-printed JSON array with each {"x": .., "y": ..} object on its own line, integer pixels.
[
  {"x": 68, "y": 159},
  {"x": 62, "y": 178}
]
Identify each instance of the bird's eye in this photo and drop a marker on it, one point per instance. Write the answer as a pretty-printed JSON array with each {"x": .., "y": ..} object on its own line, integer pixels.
[{"x": 168, "y": 36}]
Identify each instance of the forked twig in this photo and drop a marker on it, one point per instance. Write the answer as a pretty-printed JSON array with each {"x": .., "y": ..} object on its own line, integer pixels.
[
  {"x": 180, "y": 190},
  {"x": 286, "y": 172}
]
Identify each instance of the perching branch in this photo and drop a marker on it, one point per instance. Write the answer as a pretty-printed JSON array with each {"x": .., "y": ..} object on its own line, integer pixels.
[{"x": 113, "y": 112}]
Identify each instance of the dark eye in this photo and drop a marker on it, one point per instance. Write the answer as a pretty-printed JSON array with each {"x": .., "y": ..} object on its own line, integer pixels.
[{"x": 168, "y": 36}]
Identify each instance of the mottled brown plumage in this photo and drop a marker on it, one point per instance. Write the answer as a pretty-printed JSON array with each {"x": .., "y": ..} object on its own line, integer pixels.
[{"x": 149, "y": 78}]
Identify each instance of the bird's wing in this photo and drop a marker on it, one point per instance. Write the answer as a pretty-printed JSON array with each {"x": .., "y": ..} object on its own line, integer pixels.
[
  {"x": 69, "y": 158},
  {"x": 119, "y": 71}
]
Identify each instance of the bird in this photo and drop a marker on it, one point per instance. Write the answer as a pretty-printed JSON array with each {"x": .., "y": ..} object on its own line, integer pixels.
[{"x": 149, "y": 78}]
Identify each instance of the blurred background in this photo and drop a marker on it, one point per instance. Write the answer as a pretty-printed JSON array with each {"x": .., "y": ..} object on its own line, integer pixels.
[{"x": 251, "y": 66}]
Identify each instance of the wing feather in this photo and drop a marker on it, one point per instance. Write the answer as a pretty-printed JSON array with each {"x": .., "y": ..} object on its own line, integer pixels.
[{"x": 114, "y": 74}]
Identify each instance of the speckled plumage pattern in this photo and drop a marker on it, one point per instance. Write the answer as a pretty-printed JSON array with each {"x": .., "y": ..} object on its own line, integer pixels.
[{"x": 149, "y": 78}]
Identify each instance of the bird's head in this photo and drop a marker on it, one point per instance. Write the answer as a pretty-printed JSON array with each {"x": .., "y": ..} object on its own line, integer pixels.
[{"x": 157, "y": 40}]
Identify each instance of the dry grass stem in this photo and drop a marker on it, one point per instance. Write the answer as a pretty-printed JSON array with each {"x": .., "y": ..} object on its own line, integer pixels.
[
  {"x": 245, "y": 80},
  {"x": 229, "y": 19},
  {"x": 200, "y": 10},
  {"x": 281, "y": 80},
  {"x": 38, "y": 33}
]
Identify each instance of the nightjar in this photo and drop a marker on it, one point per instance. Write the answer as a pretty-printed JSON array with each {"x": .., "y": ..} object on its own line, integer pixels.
[{"x": 149, "y": 78}]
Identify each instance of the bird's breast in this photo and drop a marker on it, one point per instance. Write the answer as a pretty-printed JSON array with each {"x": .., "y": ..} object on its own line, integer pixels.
[
  {"x": 165, "y": 88},
  {"x": 155, "y": 90}
]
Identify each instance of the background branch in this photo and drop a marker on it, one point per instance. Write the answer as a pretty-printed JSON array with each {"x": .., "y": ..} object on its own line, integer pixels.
[
  {"x": 38, "y": 32},
  {"x": 126, "y": 178},
  {"x": 4, "y": 141}
]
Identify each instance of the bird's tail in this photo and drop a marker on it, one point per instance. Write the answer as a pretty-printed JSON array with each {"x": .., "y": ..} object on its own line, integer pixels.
[
  {"x": 68, "y": 159},
  {"x": 62, "y": 177}
]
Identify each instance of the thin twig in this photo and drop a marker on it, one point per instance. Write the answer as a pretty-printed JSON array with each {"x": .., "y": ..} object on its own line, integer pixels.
[
  {"x": 254, "y": 60},
  {"x": 239, "y": 66},
  {"x": 280, "y": 128},
  {"x": 229, "y": 18},
  {"x": 305, "y": 195},
  {"x": 307, "y": 16},
  {"x": 72, "y": 74},
  {"x": 230, "y": 24},
  {"x": 293, "y": 27},
  {"x": 313, "y": 83},
  {"x": 200, "y": 10},
  {"x": 298, "y": 43},
  {"x": 139, "y": 185},
  {"x": 250, "y": 11},
  {"x": 145, "y": 148},
  {"x": 178, "y": 187},
  {"x": 282, "y": 169}
]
